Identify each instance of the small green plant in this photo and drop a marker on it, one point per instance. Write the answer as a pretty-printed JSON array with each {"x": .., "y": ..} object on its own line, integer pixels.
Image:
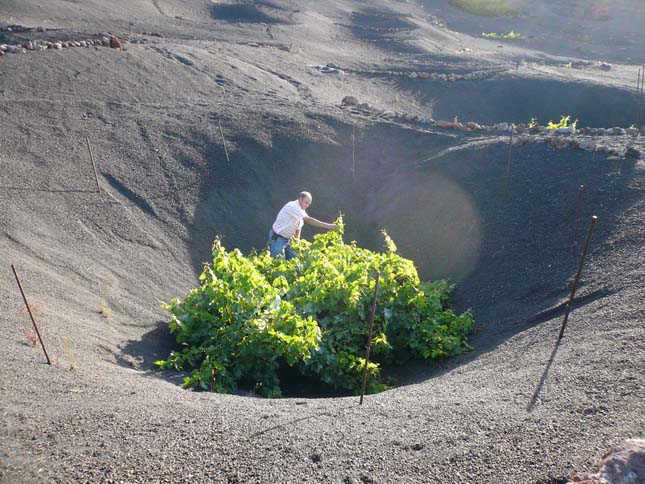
[
  {"x": 253, "y": 314},
  {"x": 67, "y": 347},
  {"x": 486, "y": 8},
  {"x": 564, "y": 123},
  {"x": 31, "y": 337},
  {"x": 533, "y": 123},
  {"x": 104, "y": 311},
  {"x": 508, "y": 35}
]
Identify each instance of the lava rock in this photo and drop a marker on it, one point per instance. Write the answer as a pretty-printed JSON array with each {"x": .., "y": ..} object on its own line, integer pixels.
[
  {"x": 349, "y": 101},
  {"x": 115, "y": 43},
  {"x": 444, "y": 124},
  {"x": 631, "y": 152},
  {"x": 587, "y": 145},
  {"x": 624, "y": 464}
]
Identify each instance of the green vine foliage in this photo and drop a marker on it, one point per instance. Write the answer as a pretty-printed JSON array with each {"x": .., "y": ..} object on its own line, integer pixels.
[{"x": 253, "y": 314}]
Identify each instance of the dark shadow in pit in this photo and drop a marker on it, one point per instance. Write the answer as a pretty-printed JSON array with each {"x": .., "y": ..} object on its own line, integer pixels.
[
  {"x": 385, "y": 29},
  {"x": 249, "y": 13},
  {"x": 155, "y": 345},
  {"x": 440, "y": 198},
  {"x": 519, "y": 99}
]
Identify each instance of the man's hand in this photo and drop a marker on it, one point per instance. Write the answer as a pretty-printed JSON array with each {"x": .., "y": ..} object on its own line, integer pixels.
[{"x": 318, "y": 223}]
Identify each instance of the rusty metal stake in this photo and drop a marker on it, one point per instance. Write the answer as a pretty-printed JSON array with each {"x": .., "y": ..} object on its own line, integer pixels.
[
  {"x": 594, "y": 219},
  {"x": 353, "y": 152},
  {"x": 638, "y": 99},
  {"x": 581, "y": 193},
  {"x": 33, "y": 320},
  {"x": 96, "y": 176},
  {"x": 223, "y": 140},
  {"x": 369, "y": 338},
  {"x": 508, "y": 163},
  {"x": 642, "y": 96}
]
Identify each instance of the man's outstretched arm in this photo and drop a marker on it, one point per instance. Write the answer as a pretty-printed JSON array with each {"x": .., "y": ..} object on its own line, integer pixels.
[{"x": 318, "y": 223}]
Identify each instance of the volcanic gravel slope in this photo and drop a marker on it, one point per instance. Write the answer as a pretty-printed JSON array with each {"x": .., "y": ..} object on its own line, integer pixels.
[{"x": 517, "y": 409}]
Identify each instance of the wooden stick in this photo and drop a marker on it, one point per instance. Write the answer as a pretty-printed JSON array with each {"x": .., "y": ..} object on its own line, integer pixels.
[
  {"x": 33, "y": 320},
  {"x": 223, "y": 140},
  {"x": 96, "y": 176},
  {"x": 369, "y": 338}
]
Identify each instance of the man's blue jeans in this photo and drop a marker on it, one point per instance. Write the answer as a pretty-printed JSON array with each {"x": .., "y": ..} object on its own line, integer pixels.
[{"x": 280, "y": 245}]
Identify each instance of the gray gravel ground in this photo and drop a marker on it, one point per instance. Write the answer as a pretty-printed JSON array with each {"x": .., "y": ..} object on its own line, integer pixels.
[{"x": 517, "y": 409}]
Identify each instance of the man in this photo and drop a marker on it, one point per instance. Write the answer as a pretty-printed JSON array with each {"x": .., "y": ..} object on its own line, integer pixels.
[{"x": 288, "y": 225}]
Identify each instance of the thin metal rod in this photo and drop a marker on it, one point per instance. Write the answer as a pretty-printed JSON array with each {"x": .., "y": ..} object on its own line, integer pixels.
[
  {"x": 508, "y": 163},
  {"x": 575, "y": 282},
  {"x": 642, "y": 90},
  {"x": 369, "y": 338},
  {"x": 574, "y": 244},
  {"x": 33, "y": 320},
  {"x": 642, "y": 97},
  {"x": 96, "y": 175},
  {"x": 353, "y": 151},
  {"x": 638, "y": 99},
  {"x": 223, "y": 140}
]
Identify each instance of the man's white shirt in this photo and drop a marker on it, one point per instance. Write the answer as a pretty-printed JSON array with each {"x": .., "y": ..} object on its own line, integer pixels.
[{"x": 289, "y": 219}]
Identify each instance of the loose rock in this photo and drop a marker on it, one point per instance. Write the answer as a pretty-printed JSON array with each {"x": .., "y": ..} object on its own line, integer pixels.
[
  {"x": 115, "y": 43},
  {"x": 444, "y": 124},
  {"x": 624, "y": 464},
  {"x": 587, "y": 145},
  {"x": 349, "y": 101}
]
